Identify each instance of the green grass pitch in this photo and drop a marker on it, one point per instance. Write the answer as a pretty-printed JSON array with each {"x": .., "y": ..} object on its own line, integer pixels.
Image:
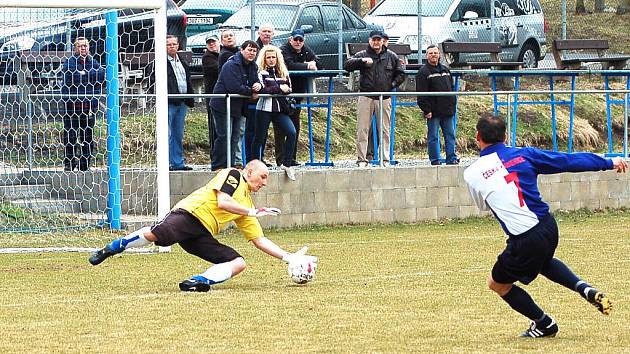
[{"x": 402, "y": 288}]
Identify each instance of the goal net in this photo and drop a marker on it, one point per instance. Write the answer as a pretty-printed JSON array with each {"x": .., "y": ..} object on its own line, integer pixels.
[{"x": 79, "y": 158}]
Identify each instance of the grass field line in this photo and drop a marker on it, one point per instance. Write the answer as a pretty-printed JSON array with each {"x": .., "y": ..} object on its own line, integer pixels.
[{"x": 406, "y": 240}]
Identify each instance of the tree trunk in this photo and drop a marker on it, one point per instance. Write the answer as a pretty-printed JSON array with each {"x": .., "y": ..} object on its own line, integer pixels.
[
  {"x": 600, "y": 5},
  {"x": 356, "y": 7},
  {"x": 624, "y": 7},
  {"x": 579, "y": 7}
]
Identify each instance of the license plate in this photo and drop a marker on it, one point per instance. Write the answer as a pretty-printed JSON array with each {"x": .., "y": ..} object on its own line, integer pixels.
[
  {"x": 196, "y": 61},
  {"x": 200, "y": 20}
]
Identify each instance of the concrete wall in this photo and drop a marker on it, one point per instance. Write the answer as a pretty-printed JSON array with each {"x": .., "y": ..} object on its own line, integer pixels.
[{"x": 403, "y": 194}]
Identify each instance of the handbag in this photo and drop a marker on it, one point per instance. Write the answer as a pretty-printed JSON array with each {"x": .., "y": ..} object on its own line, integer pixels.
[{"x": 288, "y": 105}]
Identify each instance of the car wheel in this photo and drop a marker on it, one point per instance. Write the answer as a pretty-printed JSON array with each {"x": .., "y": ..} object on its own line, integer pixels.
[{"x": 528, "y": 56}]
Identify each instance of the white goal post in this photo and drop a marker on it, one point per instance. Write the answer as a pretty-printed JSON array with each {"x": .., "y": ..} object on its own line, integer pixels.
[{"x": 73, "y": 167}]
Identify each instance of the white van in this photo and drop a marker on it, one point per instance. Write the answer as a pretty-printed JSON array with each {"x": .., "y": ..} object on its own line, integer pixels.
[{"x": 519, "y": 26}]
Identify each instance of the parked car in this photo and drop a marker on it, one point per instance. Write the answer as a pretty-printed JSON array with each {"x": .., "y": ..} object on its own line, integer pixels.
[
  {"x": 318, "y": 18},
  {"x": 54, "y": 30},
  {"x": 206, "y": 15},
  {"x": 519, "y": 26}
]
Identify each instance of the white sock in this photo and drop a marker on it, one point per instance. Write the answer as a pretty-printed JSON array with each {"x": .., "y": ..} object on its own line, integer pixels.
[
  {"x": 218, "y": 273},
  {"x": 136, "y": 239}
]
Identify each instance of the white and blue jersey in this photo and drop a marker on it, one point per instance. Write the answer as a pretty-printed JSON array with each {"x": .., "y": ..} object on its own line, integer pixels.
[{"x": 505, "y": 180}]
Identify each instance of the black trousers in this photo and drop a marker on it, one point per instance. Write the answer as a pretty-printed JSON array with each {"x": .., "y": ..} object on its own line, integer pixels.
[{"x": 78, "y": 125}]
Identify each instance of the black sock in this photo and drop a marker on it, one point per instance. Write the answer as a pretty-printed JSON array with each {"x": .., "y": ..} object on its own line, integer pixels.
[
  {"x": 560, "y": 273},
  {"x": 521, "y": 302}
]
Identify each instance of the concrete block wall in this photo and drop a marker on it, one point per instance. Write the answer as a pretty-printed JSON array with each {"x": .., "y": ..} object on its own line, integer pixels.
[{"x": 402, "y": 194}]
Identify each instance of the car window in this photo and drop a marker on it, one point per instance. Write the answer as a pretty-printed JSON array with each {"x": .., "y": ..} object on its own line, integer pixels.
[
  {"x": 410, "y": 8},
  {"x": 528, "y": 7},
  {"x": 347, "y": 22},
  {"x": 506, "y": 8},
  {"x": 331, "y": 18},
  {"x": 312, "y": 16},
  {"x": 467, "y": 6},
  {"x": 356, "y": 21}
]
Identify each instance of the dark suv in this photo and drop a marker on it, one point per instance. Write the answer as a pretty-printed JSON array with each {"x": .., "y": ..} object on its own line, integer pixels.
[{"x": 54, "y": 30}]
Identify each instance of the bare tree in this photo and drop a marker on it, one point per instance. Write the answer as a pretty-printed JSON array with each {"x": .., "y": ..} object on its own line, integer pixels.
[
  {"x": 624, "y": 7},
  {"x": 579, "y": 7},
  {"x": 600, "y": 5}
]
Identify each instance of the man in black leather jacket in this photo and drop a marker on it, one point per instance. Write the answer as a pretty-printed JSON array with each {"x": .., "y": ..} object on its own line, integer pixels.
[{"x": 380, "y": 71}]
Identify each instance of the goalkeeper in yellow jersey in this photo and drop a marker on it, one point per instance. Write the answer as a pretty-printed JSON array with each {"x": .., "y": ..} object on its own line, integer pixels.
[{"x": 193, "y": 222}]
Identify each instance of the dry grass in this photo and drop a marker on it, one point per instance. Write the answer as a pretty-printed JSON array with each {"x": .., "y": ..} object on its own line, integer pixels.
[{"x": 405, "y": 288}]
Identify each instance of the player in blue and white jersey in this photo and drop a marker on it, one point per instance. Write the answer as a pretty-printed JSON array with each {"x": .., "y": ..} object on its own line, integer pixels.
[{"x": 504, "y": 181}]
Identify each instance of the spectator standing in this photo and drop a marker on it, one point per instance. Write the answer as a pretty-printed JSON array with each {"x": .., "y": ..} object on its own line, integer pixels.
[
  {"x": 380, "y": 71},
  {"x": 210, "y": 67},
  {"x": 228, "y": 47},
  {"x": 239, "y": 75},
  {"x": 438, "y": 110},
  {"x": 274, "y": 77},
  {"x": 83, "y": 79},
  {"x": 504, "y": 180},
  {"x": 178, "y": 76},
  {"x": 297, "y": 56},
  {"x": 265, "y": 35}
]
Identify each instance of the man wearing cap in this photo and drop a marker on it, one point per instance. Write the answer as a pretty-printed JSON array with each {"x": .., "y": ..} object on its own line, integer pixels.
[
  {"x": 297, "y": 56},
  {"x": 380, "y": 71},
  {"x": 210, "y": 67}
]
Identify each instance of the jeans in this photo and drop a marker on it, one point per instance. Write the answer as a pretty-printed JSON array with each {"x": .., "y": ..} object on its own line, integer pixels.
[
  {"x": 280, "y": 138},
  {"x": 280, "y": 121},
  {"x": 448, "y": 130},
  {"x": 219, "y": 150},
  {"x": 249, "y": 131},
  {"x": 176, "y": 118}
]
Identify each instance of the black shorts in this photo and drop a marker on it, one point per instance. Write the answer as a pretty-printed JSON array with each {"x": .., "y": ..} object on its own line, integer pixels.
[
  {"x": 526, "y": 254},
  {"x": 181, "y": 227}
]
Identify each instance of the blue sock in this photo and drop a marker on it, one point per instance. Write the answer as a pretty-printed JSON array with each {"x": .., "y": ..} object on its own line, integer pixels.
[
  {"x": 521, "y": 302},
  {"x": 560, "y": 273}
]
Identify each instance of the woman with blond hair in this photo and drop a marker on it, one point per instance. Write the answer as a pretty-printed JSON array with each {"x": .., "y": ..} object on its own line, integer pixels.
[{"x": 274, "y": 77}]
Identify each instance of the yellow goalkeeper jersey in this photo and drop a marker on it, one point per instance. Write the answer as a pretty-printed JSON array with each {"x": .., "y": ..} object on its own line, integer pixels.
[{"x": 202, "y": 203}]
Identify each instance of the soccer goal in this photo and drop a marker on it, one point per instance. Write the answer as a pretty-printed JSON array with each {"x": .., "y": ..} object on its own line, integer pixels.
[{"x": 83, "y": 120}]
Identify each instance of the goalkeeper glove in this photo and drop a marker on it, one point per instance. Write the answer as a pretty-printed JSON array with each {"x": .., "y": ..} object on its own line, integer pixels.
[
  {"x": 263, "y": 212},
  {"x": 292, "y": 257}
]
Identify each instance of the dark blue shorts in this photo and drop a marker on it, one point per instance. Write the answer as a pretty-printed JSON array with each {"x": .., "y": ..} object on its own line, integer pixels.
[
  {"x": 181, "y": 227},
  {"x": 526, "y": 254}
]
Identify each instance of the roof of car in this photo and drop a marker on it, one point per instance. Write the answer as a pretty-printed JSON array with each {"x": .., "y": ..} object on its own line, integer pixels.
[{"x": 294, "y": 2}]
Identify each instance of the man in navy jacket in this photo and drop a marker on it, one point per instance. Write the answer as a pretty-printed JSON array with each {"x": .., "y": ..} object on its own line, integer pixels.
[{"x": 239, "y": 75}]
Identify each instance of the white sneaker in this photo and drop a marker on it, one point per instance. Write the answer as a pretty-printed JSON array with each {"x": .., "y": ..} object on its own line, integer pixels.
[
  {"x": 385, "y": 163},
  {"x": 362, "y": 164},
  {"x": 289, "y": 171}
]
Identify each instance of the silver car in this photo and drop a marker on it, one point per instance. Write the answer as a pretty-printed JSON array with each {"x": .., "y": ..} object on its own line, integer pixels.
[{"x": 519, "y": 26}]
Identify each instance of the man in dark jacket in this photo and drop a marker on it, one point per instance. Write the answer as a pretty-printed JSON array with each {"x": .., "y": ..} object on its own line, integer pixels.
[
  {"x": 178, "y": 82},
  {"x": 297, "y": 56},
  {"x": 83, "y": 78},
  {"x": 381, "y": 71},
  {"x": 210, "y": 67},
  {"x": 438, "y": 110},
  {"x": 228, "y": 47},
  {"x": 239, "y": 75}
]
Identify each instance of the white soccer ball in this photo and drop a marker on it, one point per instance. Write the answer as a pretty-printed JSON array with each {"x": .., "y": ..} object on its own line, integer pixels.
[{"x": 302, "y": 270}]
